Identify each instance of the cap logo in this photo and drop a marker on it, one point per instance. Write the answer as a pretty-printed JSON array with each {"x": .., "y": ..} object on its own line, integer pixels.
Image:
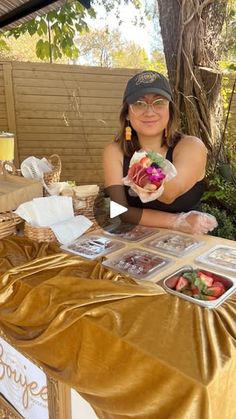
[{"x": 146, "y": 78}]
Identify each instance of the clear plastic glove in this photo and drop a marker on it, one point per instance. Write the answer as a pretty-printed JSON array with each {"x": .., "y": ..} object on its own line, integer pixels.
[{"x": 194, "y": 222}]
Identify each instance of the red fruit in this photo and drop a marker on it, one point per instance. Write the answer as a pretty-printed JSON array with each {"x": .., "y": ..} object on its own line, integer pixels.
[
  {"x": 207, "y": 279},
  {"x": 171, "y": 282},
  {"x": 215, "y": 291},
  {"x": 133, "y": 170},
  {"x": 145, "y": 162},
  {"x": 182, "y": 283},
  {"x": 143, "y": 180},
  {"x": 195, "y": 290},
  {"x": 157, "y": 183},
  {"x": 219, "y": 284}
]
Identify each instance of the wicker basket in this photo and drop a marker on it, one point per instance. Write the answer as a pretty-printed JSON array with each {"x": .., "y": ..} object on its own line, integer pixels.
[
  {"x": 39, "y": 234},
  {"x": 8, "y": 223},
  {"x": 54, "y": 175},
  {"x": 85, "y": 206}
]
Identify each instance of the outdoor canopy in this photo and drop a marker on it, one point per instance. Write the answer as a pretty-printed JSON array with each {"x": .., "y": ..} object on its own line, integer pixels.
[{"x": 16, "y": 12}]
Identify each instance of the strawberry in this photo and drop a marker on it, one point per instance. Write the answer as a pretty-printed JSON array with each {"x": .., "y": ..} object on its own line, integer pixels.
[
  {"x": 207, "y": 279},
  {"x": 194, "y": 289},
  {"x": 171, "y": 282},
  {"x": 182, "y": 283},
  {"x": 145, "y": 161},
  {"x": 215, "y": 291},
  {"x": 219, "y": 284}
]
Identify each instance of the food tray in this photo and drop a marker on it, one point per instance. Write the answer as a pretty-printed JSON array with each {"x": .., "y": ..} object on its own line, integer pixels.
[
  {"x": 171, "y": 281},
  {"x": 220, "y": 257},
  {"x": 138, "y": 263},
  {"x": 130, "y": 232},
  {"x": 174, "y": 244},
  {"x": 93, "y": 246}
]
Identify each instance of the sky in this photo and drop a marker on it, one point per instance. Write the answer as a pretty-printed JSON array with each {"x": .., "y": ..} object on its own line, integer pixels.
[{"x": 143, "y": 36}]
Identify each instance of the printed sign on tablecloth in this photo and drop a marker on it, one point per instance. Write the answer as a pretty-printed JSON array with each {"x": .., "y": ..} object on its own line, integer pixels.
[{"x": 22, "y": 383}]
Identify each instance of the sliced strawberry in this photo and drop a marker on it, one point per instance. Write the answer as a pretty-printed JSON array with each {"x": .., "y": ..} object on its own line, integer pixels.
[
  {"x": 194, "y": 289},
  {"x": 219, "y": 284},
  {"x": 171, "y": 282},
  {"x": 215, "y": 291},
  {"x": 207, "y": 279},
  {"x": 145, "y": 161},
  {"x": 182, "y": 283}
]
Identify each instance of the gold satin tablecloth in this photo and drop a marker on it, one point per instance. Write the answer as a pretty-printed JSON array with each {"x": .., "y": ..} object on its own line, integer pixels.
[{"x": 130, "y": 349}]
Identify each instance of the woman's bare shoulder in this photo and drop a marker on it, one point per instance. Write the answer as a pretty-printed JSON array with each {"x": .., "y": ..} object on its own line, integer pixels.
[
  {"x": 191, "y": 141},
  {"x": 113, "y": 149}
]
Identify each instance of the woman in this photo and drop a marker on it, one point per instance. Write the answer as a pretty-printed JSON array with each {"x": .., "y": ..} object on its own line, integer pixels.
[{"x": 148, "y": 122}]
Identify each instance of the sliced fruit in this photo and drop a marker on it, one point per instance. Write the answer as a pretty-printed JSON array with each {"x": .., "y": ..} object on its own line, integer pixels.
[
  {"x": 207, "y": 279},
  {"x": 194, "y": 289},
  {"x": 145, "y": 162},
  {"x": 215, "y": 291},
  {"x": 219, "y": 284},
  {"x": 182, "y": 283},
  {"x": 171, "y": 282}
]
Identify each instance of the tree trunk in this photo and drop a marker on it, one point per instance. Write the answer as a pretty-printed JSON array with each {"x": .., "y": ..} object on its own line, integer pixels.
[{"x": 191, "y": 35}]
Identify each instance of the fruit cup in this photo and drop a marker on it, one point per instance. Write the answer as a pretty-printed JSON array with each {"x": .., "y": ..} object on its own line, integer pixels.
[{"x": 202, "y": 287}]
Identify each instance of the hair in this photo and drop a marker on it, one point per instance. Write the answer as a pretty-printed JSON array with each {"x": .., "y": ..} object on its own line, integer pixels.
[{"x": 129, "y": 147}]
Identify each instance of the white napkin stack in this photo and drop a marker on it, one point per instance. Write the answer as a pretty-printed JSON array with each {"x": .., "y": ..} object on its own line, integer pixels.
[{"x": 57, "y": 213}]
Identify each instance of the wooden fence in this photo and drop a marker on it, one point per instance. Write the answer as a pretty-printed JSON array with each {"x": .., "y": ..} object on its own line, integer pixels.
[{"x": 68, "y": 110}]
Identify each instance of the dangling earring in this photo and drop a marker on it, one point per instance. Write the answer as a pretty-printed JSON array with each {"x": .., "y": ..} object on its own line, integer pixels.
[
  {"x": 165, "y": 133},
  {"x": 128, "y": 132}
]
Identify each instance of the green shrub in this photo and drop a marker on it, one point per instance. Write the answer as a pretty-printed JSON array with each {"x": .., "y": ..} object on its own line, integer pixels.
[
  {"x": 226, "y": 221},
  {"x": 220, "y": 201}
]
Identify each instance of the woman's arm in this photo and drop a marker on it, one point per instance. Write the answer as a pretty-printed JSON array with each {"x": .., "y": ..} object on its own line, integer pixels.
[
  {"x": 113, "y": 174},
  {"x": 189, "y": 159}
]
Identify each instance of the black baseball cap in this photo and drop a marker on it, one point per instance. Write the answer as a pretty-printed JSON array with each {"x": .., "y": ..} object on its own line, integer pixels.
[{"x": 147, "y": 82}]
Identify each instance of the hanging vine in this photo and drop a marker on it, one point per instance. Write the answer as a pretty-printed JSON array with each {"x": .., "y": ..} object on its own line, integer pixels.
[{"x": 191, "y": 32}]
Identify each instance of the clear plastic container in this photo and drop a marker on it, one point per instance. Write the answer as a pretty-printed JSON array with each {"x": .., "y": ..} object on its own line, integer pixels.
[
  {"x": 138, "y": 263},
  {"x": 170, "y": 283},
  {"x": 173, "y": 244},
  {"x": 130, "y": 232},
  {"x": 220, "y": 257},
  {"x": 93, "y": 246}
]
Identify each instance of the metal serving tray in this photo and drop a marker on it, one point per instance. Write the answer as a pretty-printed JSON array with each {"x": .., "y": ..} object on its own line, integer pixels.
[
  {"x": 130, "y": 232},
  {"x": 173, "y": 243},
  {"x": 229, "y": 283},
  {"x": 137, "y": 263},
  {"x": 93, "y": 246},
  {"x": 220, "y": 257}
]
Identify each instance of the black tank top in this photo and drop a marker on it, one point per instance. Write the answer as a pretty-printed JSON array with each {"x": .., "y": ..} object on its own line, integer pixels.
[{"x": 190, "y": 200}]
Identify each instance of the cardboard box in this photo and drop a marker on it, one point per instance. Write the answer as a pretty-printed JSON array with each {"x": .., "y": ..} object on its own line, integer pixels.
[{"x": 14, "y": 190}]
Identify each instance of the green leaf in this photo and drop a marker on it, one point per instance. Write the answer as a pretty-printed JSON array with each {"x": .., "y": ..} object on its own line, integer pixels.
[{"x": 156, "y": 159}]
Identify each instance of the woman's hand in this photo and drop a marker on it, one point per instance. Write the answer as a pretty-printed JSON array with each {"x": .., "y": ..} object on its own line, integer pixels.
[{"x": 195, "y": 222}]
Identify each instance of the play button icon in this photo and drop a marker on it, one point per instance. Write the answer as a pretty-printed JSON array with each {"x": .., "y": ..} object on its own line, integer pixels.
[
  {"x": 109, "y": 210},
  {"x": 116, "y": 209}
]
